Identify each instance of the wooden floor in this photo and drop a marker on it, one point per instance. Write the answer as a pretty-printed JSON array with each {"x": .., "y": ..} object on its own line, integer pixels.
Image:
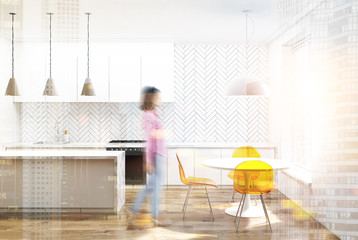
[{"x": 288, "y": 221}]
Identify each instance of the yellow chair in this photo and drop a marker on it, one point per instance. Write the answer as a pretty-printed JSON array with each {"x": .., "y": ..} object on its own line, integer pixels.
[
  {"x": 194, "y": 181},
  {"x": 261, "y": 184},
  {"x": 243, "y": 152}
]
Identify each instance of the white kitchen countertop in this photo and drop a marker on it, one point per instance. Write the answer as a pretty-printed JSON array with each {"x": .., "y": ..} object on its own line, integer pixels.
[
  {"x": 60, "y": 153},
  {"x": 103, "y": 145},
  {"x": 219, "y": 145},
  {"x": 56, "y": 145}
]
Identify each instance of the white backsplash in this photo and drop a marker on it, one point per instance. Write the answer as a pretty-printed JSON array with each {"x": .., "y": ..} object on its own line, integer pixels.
[{"x": 200, "y": 112}]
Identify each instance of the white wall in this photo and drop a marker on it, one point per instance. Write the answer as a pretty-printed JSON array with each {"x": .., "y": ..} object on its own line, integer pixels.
[
  {"x": 313, "y": 112},
  {"x": 9, "y": 111}
]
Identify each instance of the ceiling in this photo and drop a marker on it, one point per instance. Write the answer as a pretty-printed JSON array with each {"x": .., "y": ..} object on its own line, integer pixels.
[{"x": 173, "y": 20}]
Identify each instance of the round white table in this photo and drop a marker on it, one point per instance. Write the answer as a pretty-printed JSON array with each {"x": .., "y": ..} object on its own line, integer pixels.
[{"x": 230, "y": 164}]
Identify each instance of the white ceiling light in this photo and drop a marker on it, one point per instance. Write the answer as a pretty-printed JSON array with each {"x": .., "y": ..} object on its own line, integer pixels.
[
  {"x": 246, "y": 85},
  {"x": 50, "y": 89},
  {"x": 11, "y": 89},
  {"x": 88, "y": 89}
]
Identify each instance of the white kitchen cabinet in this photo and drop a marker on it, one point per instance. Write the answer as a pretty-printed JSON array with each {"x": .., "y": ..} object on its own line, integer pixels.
[
  {"x": 34, "y": 70},
  {"x": 30, "y": 72},
  {"x": 118, "y": 71},
  {"x": 165, "y": 180},
  {"x": 158, "y": 71},
  {"x": 99, "y": 74},
  {"x": 202, "y": 171},
  {"x": 186, "y": 156},
  {"x": 148, "y": 65},
  {"x": 125, "y": 79},
  {"x": 64, "y": 74},
  {"x": 225, "y": 180},
  {"x": 267, "y": 152}
]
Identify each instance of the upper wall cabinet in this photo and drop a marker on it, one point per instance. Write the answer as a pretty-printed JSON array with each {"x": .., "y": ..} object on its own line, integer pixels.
[
  {"x": 118, "y": 71},
  {"x": 30, "y": 72},
  {"x": 34, "y": 68},
  {"x": 141, "y": 64},
  {"x": 64, "y": 73},
  {"x": 158, "y": 72},
  {"x": 125, "y": 78}
]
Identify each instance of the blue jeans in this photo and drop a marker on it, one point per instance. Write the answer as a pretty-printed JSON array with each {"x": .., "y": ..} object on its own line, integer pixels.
[{"x": 154, "y": 181}]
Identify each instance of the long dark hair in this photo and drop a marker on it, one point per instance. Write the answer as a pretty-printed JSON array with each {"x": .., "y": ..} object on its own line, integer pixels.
[{"x": 148, "y": 94}]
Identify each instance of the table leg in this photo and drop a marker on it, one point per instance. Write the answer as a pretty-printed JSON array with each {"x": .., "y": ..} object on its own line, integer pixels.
[{"x": 248, "y": 211}]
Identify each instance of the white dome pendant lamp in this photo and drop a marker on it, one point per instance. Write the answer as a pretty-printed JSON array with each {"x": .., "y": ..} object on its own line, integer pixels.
[
  {"x": 11, "y": 89},
  {"x": 88, "y": 89},
  {"x": 247, "y": 86},
  {"x": 50, "y": 89}
]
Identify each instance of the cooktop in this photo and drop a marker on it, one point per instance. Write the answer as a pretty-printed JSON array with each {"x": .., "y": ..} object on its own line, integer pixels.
[{"x": 126, "y": 141}]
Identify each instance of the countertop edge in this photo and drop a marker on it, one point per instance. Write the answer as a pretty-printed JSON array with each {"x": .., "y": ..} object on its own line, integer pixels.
[
  {"x": 60, "y": 153},
  {"x": 103, "y": 145}
]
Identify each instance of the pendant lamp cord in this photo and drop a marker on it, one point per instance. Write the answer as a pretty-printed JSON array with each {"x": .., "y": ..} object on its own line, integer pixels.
[
  {"x": 50, "y": 43},
  {"x": 246, "y": 11},
  {"x": 50, "y": 46},
  {"x": 12, "y": 43},
  {"x": 88, "y": 14}
]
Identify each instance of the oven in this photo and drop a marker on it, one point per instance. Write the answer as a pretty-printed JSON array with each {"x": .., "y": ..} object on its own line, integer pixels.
[{"x": 135, "y": 164}]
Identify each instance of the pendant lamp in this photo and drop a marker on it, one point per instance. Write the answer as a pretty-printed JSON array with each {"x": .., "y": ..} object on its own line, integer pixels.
[
  {"x": 246, "y": 85},
  {"x": 88, "y": 89},
  {"x": 11, "y": 89},
  {"x": 50, "y": 89}
]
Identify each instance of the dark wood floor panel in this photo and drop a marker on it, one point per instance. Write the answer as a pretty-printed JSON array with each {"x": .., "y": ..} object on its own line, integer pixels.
[{"x": 287, "y": 223}]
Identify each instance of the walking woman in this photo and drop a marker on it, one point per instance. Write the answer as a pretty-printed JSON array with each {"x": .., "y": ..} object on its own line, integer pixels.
[{"x": 155, "y": 154}]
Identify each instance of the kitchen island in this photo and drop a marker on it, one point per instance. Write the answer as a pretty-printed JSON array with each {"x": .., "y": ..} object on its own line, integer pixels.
[{"x": 62, "y": 181}]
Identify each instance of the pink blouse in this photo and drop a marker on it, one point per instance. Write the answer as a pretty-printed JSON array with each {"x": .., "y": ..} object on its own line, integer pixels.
[{"x": 154, "y": 145}]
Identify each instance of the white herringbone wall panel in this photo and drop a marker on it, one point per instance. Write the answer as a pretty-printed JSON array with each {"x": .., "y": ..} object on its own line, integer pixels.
[{"x": 200, "y": 112}]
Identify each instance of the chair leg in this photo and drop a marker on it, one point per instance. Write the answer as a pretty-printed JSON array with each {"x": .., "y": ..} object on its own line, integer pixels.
[
  {"x": 186, "y": 202},
  {"x": 242, "y": 207},
  {"x": 211, "y": 210},
  {"x": 233, "y": 195},
  {"x": 242, "y": 195},
  {"x": 264, "y": 206},
  {"x": 186, "y": 198}
]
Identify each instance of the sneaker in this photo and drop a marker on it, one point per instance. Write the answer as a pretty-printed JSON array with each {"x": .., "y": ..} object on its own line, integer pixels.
[
  {"x": 132, "y": 224},
  {"x": 161, "y": 221}
]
